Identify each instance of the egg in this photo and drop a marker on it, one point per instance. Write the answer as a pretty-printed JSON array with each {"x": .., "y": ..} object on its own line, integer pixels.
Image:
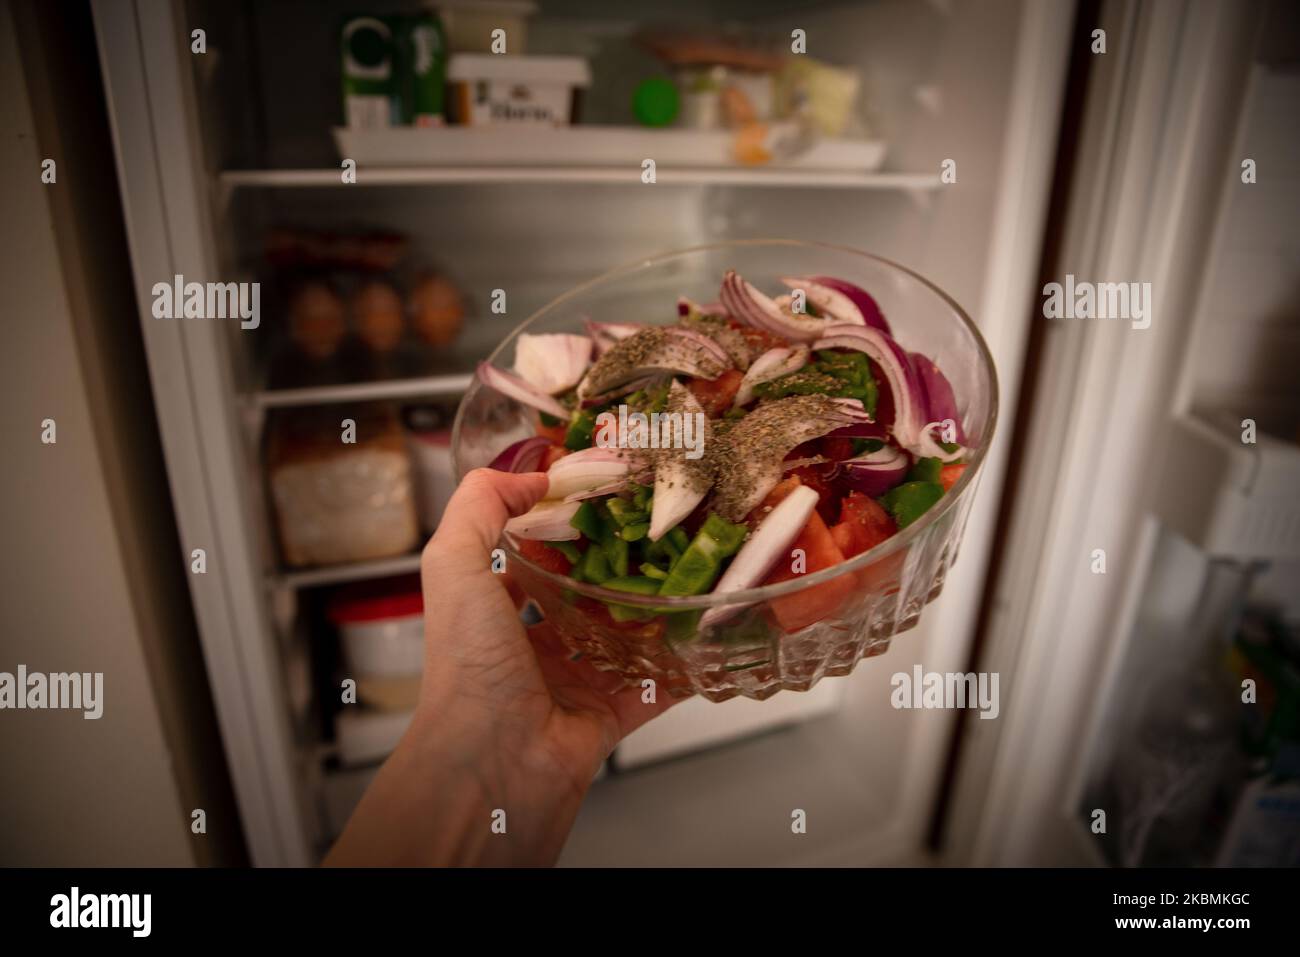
[
  {"x": 437, "y": 310},
  {"x": 317, "y": 320},
  {"x": 377, "y": 316}
]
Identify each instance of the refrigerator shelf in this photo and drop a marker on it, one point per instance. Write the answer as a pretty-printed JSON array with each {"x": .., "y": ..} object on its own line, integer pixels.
[
  {"x": 349, "y": 572},
  {"x": 623, "y": 147},
  {"x": 1241, "y": 503},
  {"x": 585, "y": 175},
  {"x": 435, "y": 386}
]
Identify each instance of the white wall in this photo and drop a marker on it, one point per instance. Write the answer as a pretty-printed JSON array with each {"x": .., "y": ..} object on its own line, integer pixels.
[{"x": 76, "y": 792}]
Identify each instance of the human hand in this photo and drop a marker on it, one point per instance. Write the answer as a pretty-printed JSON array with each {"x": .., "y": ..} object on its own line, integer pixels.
[{"x": 507, "y": 721}]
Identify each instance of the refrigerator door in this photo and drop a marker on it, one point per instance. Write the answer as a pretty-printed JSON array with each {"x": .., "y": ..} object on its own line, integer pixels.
[
  {"x": 1151, "y": 174},
  {"x": 165, "y": 199}
]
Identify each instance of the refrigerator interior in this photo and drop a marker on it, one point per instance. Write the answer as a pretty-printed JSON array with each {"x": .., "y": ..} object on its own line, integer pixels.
[{"x": 942, "y": 80}]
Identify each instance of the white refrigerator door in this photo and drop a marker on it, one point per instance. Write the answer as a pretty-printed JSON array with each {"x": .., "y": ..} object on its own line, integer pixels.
[
  {"x": 1156, "y": 153},
  {"x": 164, "y": 197}
]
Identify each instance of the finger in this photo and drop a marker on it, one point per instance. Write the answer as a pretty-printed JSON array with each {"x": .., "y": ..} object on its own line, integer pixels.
[{"x": 481, "y": 505}]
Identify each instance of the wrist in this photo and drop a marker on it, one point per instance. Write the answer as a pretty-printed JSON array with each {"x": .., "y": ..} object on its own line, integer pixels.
[{"x": 492, "y": 797}]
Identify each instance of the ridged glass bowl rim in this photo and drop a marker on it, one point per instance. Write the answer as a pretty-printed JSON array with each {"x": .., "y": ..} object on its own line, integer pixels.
[{"x": 749, "y": 596}]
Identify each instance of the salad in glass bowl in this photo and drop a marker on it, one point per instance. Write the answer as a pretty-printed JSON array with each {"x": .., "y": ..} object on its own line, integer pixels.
[{"x": 756, "y": 478}]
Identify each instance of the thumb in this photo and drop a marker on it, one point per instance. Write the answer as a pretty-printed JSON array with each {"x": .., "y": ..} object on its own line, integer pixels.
[{"x": 477, "y": 513}]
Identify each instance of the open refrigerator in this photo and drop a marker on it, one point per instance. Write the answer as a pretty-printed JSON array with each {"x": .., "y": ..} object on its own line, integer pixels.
[{"x": 961, "y": 106}]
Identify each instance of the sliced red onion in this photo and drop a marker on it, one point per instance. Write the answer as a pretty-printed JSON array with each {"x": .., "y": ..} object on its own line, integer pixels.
[
  {"x": 867, "y": 306},
  {"x": 830, "y": 302},
  {"x": 704, "y": 342},
  {"x": 728, "y": 337},
  {"x": 516, "y": 388},
  {"x": 796, "y": 419},
  {"x": 609, "y": 488},
  {"x": 876, "y": 472},
  {"x": 589, "y": 482},
  {"x": 862, "y": 430},
  {"x": 913, "y": 420},
  {"x": 604, "y": 335},
  {"x": 904, "y": 386},
  {"x": 772, "y": 364},
  {"x": 766, "y": 546},
  {"x": 750, "y": 306},
  {"x": 552, "y": 362},
  {"x": 940, "y": 401},
  {"x": 586, "y": 471},
  {"x": 523, "y": 456},
  {"x": 661, "y": 349},
  {"x": 928, "y": 446},
  {"x": 677, "y": 492},
  {"x": 547, "y": 521}
]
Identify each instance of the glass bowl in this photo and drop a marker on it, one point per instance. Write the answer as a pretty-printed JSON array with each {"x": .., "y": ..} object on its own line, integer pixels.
[{"x": 863, "y": 602}]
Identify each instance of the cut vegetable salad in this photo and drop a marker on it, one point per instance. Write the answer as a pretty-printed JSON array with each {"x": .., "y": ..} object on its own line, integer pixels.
[{"x": 755, "y": 440}]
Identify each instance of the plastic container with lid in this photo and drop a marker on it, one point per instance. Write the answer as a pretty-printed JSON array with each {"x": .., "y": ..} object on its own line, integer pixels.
[
  {"x": 341, "y": 501},
  {"x": 489, "y": 90},
  {"x": 381, "y": 624}
]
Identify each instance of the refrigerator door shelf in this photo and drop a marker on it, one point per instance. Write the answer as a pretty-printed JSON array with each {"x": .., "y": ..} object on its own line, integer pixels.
[
  {"x": 579, "y": 146},
  {"x": 1227, "y": 495}
]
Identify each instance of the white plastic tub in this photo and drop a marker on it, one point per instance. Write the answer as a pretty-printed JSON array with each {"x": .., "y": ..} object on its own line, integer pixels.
[
  {"x": 487, "y": 90},
  {"x": 381, "y": 626}
]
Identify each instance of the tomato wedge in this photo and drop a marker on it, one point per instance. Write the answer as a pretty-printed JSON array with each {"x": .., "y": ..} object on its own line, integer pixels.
[
  {"x": 837, "y": 447},
  {"x": 555, "y": 433},
  {"x": 759, "y": 340},
  {"x": 949, "y": 474},
  {"x": 551, "y": 456},
  {"x": 809, "y": 605},
  {"x": 715, "y": 395},
  {"x": 851, "y": 538},
  {"x": 863, "y": 525},
  {"x": 543, "y": 556},
  {"x": 869, "y": 515}
]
